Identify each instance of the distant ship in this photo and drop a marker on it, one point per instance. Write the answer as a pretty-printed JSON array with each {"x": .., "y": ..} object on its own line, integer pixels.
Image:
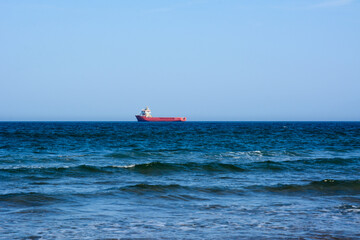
[{"x": 145, "y": 116}]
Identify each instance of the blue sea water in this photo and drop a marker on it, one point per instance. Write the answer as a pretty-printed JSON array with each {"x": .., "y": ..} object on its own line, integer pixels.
[{"x": 192, "y": 180}]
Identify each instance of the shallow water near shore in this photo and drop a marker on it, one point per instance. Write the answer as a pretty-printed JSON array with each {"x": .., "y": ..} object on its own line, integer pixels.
[{"x": 192, "y": 180}]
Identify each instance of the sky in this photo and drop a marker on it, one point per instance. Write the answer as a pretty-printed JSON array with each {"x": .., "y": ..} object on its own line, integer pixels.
[{"x": 207, "y": 60}]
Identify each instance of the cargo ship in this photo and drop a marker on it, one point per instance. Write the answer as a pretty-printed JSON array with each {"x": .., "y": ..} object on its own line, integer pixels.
[{"x": 145, "y": 116}]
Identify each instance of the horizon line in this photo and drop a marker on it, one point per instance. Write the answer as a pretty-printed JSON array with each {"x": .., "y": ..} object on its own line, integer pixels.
[{"x": 2, "y": 121}]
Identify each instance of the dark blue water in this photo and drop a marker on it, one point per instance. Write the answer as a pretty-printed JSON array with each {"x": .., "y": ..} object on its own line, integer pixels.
[{"x": 193, "y": 180}]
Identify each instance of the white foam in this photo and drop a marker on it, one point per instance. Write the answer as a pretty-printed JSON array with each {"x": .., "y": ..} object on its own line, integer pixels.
[
  {"x": 126, "y": 166},
  {"x": 33, "y": 167}
]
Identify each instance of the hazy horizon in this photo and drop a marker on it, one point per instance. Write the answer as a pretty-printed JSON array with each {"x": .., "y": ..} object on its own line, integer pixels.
[{"x": 207, "y": 60}]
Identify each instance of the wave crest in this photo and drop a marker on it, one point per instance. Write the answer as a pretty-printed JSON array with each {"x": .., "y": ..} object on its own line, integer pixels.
[{"x": 324, "y": 187}]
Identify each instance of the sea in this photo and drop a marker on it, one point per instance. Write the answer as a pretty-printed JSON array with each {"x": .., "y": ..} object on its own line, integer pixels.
[{"x": 190, "y": 180}]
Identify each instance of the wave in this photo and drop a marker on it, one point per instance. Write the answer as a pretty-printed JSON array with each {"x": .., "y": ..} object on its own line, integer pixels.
[
  {"x": 324, "y": 187},
  {"x": 178, "y": 190},
  {"x": 327, "y": 161},
  {"x": 300, "y": 165},
  {"x": 134, "y": 154},
  {"x": 152, "y": 188},
  {"x": 145, "y": 168},
  {"x": 257, "y": 154},
  {"x": 29, "y": 199},
  {"x": 158, "y": 167},
  {"x": 161, "y": 191},
  {"x": 285, "y": 156},
  {"x": 54, "y": 170},
  {"x": 190, "y": 166}
]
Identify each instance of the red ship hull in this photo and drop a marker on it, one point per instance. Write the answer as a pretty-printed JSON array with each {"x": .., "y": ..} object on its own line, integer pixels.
[{"x": 160, "y": 119}]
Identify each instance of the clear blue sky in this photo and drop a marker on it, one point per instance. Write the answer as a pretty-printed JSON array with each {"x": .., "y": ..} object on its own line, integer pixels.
[{"x": 203, "y": 59}]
